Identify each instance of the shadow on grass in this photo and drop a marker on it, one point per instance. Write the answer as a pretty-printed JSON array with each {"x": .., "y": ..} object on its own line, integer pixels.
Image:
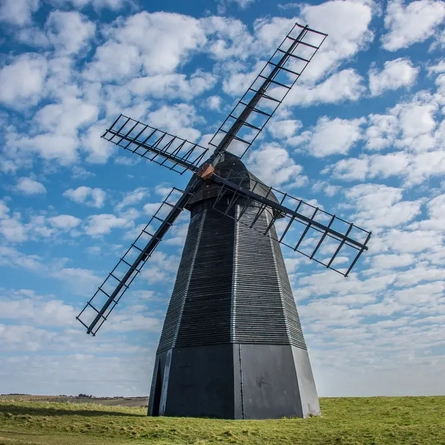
[{"x": 50, "y": 411}]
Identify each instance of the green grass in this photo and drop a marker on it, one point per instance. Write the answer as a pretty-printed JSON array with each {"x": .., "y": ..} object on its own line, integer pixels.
[{"x": 353, "y": 421}]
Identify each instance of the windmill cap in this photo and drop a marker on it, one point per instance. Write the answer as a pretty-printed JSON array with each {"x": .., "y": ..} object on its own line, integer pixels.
[{"x": 232, "y": 168}]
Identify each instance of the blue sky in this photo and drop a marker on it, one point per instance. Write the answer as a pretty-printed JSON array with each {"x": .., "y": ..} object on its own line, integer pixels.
[{"x": 361, "y": 135}]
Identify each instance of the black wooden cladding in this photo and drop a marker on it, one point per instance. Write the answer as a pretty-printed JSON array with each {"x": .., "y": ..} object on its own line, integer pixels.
[
  {"x": 180, "y": 290},
  {"x": 232, "y": 285},
  {"x": 264, "y": 307},
  {"x": 206, "y": 315}
]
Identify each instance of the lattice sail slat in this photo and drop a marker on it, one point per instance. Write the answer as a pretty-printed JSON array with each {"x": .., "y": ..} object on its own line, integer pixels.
[
  {"x": 268, "y": 90},
  {"x": 107, "y": 296},
  {"x": 155, "y": 145},
  {"x": 320, "y": 236}
]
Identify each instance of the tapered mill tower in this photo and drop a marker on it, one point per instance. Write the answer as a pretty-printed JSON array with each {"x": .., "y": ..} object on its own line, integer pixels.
[{"x": 232, "y": 345}]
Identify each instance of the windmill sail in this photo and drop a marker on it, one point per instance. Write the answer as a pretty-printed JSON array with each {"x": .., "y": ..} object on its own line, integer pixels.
[
  {"x": 155, "y": 145},
  {"x": 107, "y": 296},
  {"x": 325, "y": 238},
  {"x": 252, "y": 112}
]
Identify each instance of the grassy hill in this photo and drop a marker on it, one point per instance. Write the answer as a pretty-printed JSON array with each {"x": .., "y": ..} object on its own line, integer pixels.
[{"x": 353, "y": 421}]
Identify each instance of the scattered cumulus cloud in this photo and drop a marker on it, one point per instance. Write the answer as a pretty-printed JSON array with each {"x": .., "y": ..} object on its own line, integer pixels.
[
  {"x": 92, "y": 197},
  {"x": 69, "y": 31},
  {"x": 395, "y": 74},
  {"x": 144, "y": 40},
  {"x": 273, "y": 165},
  {"x": 281, "y": 129},
  {"x": 345, "y": 85},
  {"x": 29, "y": 186},
  {"x": 331, "y": 136},
  {"x": 378, "y": 206},
  {"x": 132, "y": 198},
  {"x": 23, "y": 79},
  {"x": 65, "y": 222},
  {"x": 348, "y": 25},
  {"x": 18, "y": 12},
  {"x": 104, "y": 223},
  {"x": 411, "y": 22},
  {"x": 96, "y": 4},
  {"x": 173, "y": 86}
]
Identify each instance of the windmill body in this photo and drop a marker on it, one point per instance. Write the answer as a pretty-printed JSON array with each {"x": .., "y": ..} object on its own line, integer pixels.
[{"x": 232, "y": 344}]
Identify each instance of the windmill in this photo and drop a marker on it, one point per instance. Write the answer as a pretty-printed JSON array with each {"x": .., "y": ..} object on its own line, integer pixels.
[{"x": 232, "y": 344}]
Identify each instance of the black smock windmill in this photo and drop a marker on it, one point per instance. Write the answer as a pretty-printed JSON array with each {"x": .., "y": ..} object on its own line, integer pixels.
[{"x": 232, "y": 344}]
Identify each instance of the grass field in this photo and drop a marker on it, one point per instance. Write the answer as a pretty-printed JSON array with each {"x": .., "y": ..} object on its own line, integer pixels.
[{"x": 377, "y": 420}]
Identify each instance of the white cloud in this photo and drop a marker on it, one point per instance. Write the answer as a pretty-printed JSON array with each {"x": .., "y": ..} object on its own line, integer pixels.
[
  {"x": 177, "y": 120},
  {"x": 145, "y": 41},
  {"x": 227, "y": 37},
  {"x": 238, "y": 77},
  {"x": 415, "y": 119},
  {"x": 29, "y": 186},
  {"x": 27, "y": 338},
  {"x": 401, "y": 241},
  {"x": 4, "y": 210},
  {"x": 214, "y": 102},
  {"x": 64, "y": 222},
  {"x": 347, "y": 24},
  {"x": 438, "y": 68},
  {"x": 172, "y": 86},
  {"x": 412, "y": 23},
  {"x": 440, "y": 41},
  {"x": 413, "y": 168},
  {"x": 329, "y": 137},
  {"x": 133, "y": 197},
  {"x": 69, "y": 32},
  {"x": 160, "y": 268},
  {"x": 390, "y": 261},
  {"x": 114, "y": 61},
  {"x": 242, "y": 3},
  {"x": 381, "y": 206},
  {"x": 408, "y": 125},
  {"x": 282, "y": 129},
  {"x": 66, "y": 117},
  {"x": 436, "y": 213},
  {"x": 103, "y": 224},
  {"x": 18, "y": 12},
  {"x": 177, "y": 235},
  {"x": 39, "y": 226},
  {"x": 92, "y": 197},
  {"x": 96, "y": 4},
  {"x": 341, "y": 86},
  {"x": 395, "y": 74},
  {"x": 25, "y": 307},
  {"x": 81, "y": 281},
  {"x": 98, "y": 150},
  {"x": 381, "y": 131},
  {"x": 23, "y": 79},
  {"x": 62, "y": 148},
  {"x": 12, "y": 229},
  {"x": 12, "y": 257},
  {"x": 273, "y": 165}
]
